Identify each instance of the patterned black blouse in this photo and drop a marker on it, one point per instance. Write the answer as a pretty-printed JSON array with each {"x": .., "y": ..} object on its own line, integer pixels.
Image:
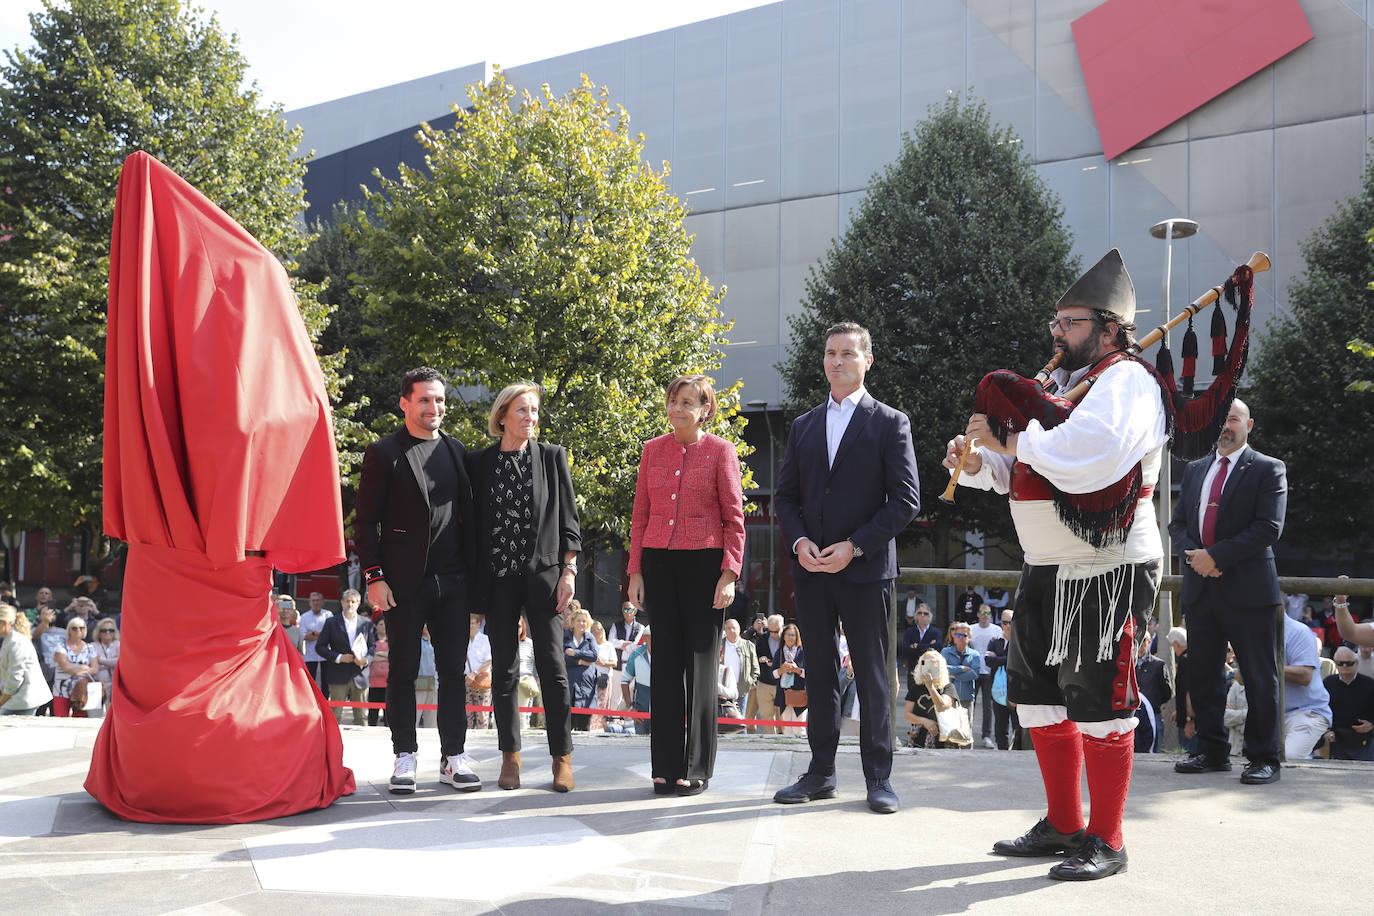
[{"x": 512, "y": 503}]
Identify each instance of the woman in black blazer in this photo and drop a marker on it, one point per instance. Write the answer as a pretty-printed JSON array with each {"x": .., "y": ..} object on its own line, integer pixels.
[{"x": 528, "y": 539}]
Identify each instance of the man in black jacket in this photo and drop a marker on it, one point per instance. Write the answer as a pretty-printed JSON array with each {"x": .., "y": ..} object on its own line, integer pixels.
[{"x": 415, "y": 542}]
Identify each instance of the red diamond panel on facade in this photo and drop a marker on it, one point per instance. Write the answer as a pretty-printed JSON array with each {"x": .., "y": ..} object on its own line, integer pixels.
[{"x": 1149, "y": 64}]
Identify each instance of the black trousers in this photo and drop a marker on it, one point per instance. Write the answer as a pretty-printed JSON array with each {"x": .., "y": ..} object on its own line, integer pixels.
[
  {"x": 533, "y": 596},
  {"x": 441, "y": 604},
  {"x": 679, "y": 589},
  {"x": 1006, "y": 723},
  {"x": 1252, "y": 633},
  {"x": 824, "y": 601}
]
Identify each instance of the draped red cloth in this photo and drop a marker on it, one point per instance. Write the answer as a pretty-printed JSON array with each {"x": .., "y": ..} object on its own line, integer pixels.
[{"x": 218, "y": 441}]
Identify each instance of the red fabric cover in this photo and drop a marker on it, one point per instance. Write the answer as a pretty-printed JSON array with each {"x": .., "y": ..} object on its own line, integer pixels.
[
  {"x": 1059, "y": 751},
  {"x": 1148, "y": 64},
  {"x": 218, "y": 440}
]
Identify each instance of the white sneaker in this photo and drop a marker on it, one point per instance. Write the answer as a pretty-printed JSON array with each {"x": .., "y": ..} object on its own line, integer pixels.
[
  {"x": 403, "y": 776},
  {"x": 990, "y": 744},
  {"x": 457, "y": 772}
]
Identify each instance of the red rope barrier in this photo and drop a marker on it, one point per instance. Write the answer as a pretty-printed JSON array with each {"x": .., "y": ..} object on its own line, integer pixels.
[{"x": 580, "y": 710}]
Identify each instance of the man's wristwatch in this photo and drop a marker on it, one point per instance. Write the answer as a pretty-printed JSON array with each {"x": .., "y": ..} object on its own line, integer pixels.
[{"x": 858, "y": 551}]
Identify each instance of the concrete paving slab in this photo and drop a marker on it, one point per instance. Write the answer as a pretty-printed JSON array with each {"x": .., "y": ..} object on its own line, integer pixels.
[{"x": 1197, "y": 844}]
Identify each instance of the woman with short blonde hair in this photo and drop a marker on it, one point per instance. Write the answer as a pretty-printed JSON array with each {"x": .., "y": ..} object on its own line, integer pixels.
[{"x": 527, "y": 542}]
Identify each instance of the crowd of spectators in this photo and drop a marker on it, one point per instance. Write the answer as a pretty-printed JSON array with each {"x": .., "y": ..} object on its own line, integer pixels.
[{"x": 61, "y": 661}]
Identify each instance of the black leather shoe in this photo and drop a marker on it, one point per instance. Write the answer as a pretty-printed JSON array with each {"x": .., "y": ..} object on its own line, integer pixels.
[
  {"x": 1040, "y": 840},
  {"x": 1257, "y": 774},
  {"x": 810, "y": 787},
  {"x": 1093, "y": 860},
  {"x": 1199, "y": 763},
  {"x": 881, "y": 798}
]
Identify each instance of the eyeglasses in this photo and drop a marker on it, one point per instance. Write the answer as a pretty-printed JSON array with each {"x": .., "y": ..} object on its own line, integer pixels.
[
  {"x": 105, "y": 630},
  {"x": 1345, "y": 664},
  {"x": 1006, "y": 623},
  {"x": 923, "y": 613},
  {"x": 1064, "y": 324},
  {"x": 76, "y": 629},
  {"x": 774, "y": 632},
  {"x": 961, "y": 636}
]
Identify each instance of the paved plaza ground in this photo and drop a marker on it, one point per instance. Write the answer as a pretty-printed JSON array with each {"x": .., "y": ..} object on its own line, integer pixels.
[{"x": 1197, "y": 844}]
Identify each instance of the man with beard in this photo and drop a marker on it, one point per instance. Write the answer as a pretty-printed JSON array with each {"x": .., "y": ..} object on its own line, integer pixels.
[
  {"x": 1229, "y": 514},
  {"x": 1078, "y": 606}
]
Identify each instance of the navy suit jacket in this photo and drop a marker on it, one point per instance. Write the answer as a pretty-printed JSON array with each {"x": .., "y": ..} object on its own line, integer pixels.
[
  {"x": 1249, "y": 521},
  {"x": 869, "y": 495},
  {"x": 333, "y": 642}
]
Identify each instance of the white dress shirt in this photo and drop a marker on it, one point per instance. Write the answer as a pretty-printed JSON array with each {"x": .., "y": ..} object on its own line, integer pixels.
[
  {"x": 1232, "y": 460},
  {"x": 837, "y": 417}
]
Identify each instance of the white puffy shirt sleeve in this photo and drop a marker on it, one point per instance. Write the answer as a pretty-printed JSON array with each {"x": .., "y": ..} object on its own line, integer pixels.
[
  {"x": 1119, "y": 422},
  {"x": 995, "y": 474}
]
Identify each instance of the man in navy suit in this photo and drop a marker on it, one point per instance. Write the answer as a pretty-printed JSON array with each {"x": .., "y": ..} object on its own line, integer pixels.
[
  {"x": 846, "y": 487},
  {"x": 1229, "y": 514}
]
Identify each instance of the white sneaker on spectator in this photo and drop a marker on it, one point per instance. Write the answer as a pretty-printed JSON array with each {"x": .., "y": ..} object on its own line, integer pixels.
[
  {"x": 457, "y": 772},
  {"x": 989, "y": 743},
  {"x": 403, "y": 776}
]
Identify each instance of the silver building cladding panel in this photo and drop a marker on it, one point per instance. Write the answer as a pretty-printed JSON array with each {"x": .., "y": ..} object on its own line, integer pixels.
[{"x": 776, "y": 119}]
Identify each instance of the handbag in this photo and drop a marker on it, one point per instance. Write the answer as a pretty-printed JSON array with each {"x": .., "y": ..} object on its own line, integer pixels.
[
  {"x": 999, "y": 686},
  {"x": 482, "y": 680},
  {"x": 954, "y": 724},
  {"x": 795, "y": 698}
]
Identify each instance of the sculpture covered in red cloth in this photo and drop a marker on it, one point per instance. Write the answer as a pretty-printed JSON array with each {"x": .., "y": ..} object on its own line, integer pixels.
[{"x": 219, "y": 464}]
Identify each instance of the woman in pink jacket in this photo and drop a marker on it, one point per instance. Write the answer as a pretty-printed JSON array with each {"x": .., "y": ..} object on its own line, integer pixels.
[{"x": 686, "y": 548}]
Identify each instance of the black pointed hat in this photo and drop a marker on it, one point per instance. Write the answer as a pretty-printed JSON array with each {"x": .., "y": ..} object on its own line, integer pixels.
[{"x": 1105, "y": 286}]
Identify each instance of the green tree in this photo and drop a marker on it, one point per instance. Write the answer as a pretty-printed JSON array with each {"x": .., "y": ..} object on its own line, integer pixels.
[
  {"x": 953, "y": 260},
  {"x": 1301, "y": 390},
  {"x": 537, "y": 244},
  {"x": 102, "y": 79}
]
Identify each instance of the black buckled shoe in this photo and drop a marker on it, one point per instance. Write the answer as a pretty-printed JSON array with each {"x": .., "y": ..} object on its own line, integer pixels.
[
  {"x": 1200, "y": 763},
  {"x": 1258, "y": 774},
  {"x": 1093, "y": 860},
  {"x": 810, "y": 787},
  {"x": 1040, "y": 840}
]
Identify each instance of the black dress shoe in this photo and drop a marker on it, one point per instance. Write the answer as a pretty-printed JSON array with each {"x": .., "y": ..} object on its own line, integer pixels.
[
  {"x": 881, "y": 798},
  {"x": 1093, "y": 860},
  {"x": 1200, "y": 763},
  {"x": 1040, "y": 840},
  {"x": 810, "y": 787},
  {"x": 1257, "y": 774}
]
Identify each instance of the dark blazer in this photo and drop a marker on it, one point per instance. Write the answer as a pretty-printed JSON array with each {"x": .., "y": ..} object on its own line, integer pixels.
[
  {"x": 582, "y": 669},
  {"x": 869, "y": 495},
  {"x": 1249, "y": 521},
  {"x": 556, "y": 528},
  {"x": 334, "y": 642},
  {"x": 914, "y": 644},
  {"x": 393, "y": 512}
]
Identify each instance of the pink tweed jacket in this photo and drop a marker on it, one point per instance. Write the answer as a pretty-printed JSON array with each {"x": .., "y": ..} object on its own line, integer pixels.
[{"x": 688, "y": 497}]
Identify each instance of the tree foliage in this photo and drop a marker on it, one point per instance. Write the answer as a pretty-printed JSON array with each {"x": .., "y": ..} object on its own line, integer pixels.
[
  {"x": 1306, "y": 410},
  {"x": 537, "y": 244},
  {"x": 102, "y": 79},
  {"x": 953, "y": 261}
]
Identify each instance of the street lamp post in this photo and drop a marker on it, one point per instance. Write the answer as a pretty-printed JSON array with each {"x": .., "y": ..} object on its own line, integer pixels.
[
  {"x": 1176, "y": 227},
  {"x": 772, "y": 510}
]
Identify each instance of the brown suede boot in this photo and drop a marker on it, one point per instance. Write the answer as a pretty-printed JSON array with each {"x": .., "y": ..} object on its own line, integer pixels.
[
  {"x": 510, "y": 770},
  {"x": 562, "y": 773}
]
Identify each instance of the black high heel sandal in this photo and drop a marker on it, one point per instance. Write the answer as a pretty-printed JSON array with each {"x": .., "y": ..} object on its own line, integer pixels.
[{"x": 664, "y": 788}]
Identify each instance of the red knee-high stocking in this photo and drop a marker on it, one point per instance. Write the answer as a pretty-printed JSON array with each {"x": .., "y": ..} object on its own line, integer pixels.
[
  {"x": 1059, "y": 750},
  {"x": 1108, "y": 762}
]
